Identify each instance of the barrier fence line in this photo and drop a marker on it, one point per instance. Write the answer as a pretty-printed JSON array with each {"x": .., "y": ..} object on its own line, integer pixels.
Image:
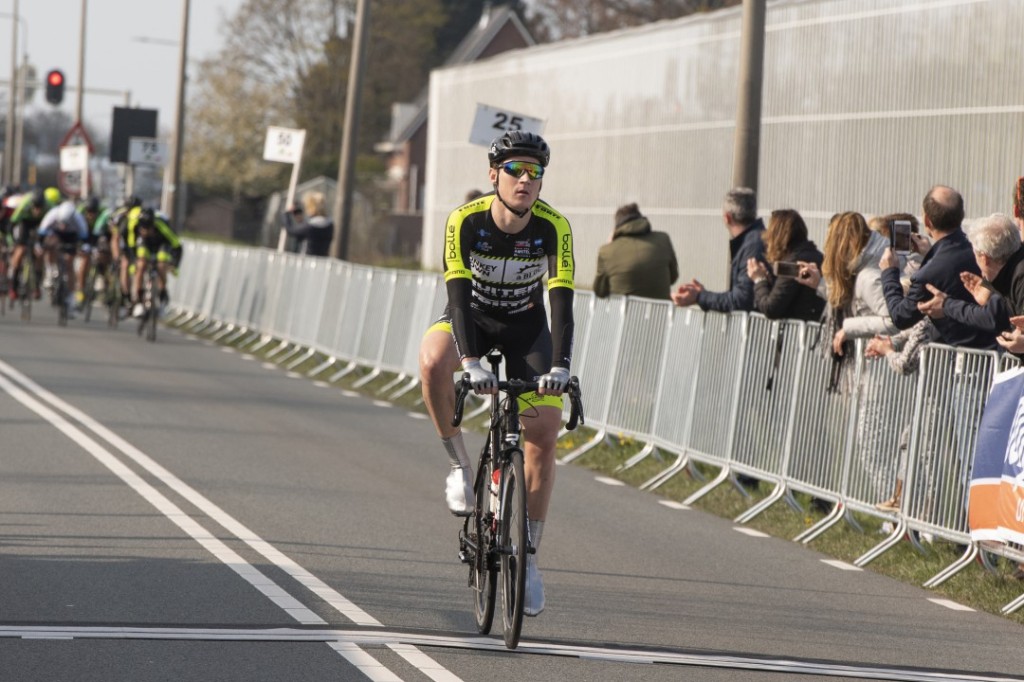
[{"x": 748, "y": 395}]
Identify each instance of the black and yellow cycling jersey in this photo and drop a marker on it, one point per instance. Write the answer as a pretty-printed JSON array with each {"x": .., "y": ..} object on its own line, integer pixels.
[{"x": 493, "y": 274}]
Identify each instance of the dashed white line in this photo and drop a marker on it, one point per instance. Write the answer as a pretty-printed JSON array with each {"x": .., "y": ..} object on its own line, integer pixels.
[
  {"x": 608, "y": 481},
  {"x": 841, "y": 565},
  {"x": 950, "y": 604},
  {"x": 750, "y": 531},
  {"x": 672, "y": 504},
  {"x": 268, "y": 365}
]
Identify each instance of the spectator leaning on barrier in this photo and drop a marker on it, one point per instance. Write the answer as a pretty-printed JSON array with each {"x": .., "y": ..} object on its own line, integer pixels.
[
  {"x": 740, "y": 216},
  {"x": 902, "y": 351},
  {"x": 997, "y": 297},
  {"x": 778, "y": 293},
  {"x": 314, "y": 231},
  {"x": 636, "y": 261},
  {"x": 949, "y": 255}
]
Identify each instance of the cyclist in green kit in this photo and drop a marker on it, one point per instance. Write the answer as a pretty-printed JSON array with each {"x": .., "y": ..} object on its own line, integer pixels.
[{"x": 498, "y": 250}]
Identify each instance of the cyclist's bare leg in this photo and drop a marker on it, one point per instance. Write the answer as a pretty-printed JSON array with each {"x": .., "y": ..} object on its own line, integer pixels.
[
  {"x": 438, "y": 363},
  {"x": 140, "y": 270},
  {"x": 540, "y": 432}
]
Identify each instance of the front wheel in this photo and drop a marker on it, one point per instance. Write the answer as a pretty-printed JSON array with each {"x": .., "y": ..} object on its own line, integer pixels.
[
  {"x": 484, "y": 571},
  {"x": 513, "y": 545}
]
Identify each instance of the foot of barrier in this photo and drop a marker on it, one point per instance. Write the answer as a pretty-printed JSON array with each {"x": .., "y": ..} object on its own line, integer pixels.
[
  {"x": 289, "y": 355},
  {"x": 301, "y": 359},
  {"x": 280, "y": 347},
  {"x": 949, "y": 571},
  {"x": 715, "y": 482},
  {"x": 663, "y": 477},
  {"x": 347, "y": 369},
  {"x": 391, "y": 384},
  {"x": 774, "y": 496},
  {"x": 831, "y": 519},
  {"x": 1013, "y": 606},
  {"x": 222, "y": 333},
  {"x": 368, "y": 378},
  {"x": 411, "y": 384},
  {"x": 264, "y": 341},
  {"x": 322, "y": 367},
  {"x": 647, "y": 449},
  {"x": 900, "y": 527},
  {"x": 581, "y": 450},
  {"x": 242, "y": 331}
]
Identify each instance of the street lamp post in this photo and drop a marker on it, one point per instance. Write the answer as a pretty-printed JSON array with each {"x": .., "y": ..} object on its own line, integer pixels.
[
  {"x": 8, "y": 160},
  {"x": 174, "y": 170}
]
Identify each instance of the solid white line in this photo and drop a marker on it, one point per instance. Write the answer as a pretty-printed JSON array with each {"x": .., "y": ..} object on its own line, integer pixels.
[
  {"x": 950, "y": 604},
  {"x": 331, "y": 596},
  {"x": 174, "y": 513},
  {"x": 342, "y": 640}
]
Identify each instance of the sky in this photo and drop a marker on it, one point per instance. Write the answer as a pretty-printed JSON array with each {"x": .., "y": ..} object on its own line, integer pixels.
[{"x": 114, "y": 59}]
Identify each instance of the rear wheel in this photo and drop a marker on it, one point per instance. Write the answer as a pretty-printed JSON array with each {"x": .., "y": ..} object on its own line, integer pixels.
[
  {"x": 484, "y": 569},
  {"x": 90, "y": 291},
  {"x": 513, "y": 544}
]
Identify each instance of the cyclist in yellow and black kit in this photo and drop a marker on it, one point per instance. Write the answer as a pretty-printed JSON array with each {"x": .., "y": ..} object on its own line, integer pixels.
[
  {"x": 498, "y": 250},
  {"x": 155, "y": 245}
]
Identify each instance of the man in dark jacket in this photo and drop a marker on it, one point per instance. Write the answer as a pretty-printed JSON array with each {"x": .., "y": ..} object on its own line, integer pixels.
[
  {"x": 950, "y": 255},
  {"x": 1000, "y": 256},
  {"x": 637, "y": 261},
  {"x": 745, "y": 229}
]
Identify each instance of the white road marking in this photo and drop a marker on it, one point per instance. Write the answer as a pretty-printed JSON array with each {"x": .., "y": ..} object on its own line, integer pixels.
[
  {"x": 608, "y": 481},
  {"x": 347, "y": 640},
  {"x": 672, "y": 504},
  {"x": 294, "y": 375},
  {"x": 268, "y": 365},
  {"x": 750, "y": 531},
  {"x": 351, "y": 394},
  {"x": 381, "y": 403},
  {"x": 248, "y": 357},
  {"x": 950, "y": 604},
  {"x": 417, "y": 415},
  {"x": 841, "y": 565},
  {"x": 227, "y": 349},
  {"x": 321, "y": 384},
  {"x": 332, "y": 597}
]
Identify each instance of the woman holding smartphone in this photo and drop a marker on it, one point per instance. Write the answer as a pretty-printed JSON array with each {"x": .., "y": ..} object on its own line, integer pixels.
[{"x": 778, "y": 294}]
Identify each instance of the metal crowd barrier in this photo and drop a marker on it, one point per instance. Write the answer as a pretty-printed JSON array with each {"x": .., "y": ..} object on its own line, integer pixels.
[{"x": 740, "y": 392}]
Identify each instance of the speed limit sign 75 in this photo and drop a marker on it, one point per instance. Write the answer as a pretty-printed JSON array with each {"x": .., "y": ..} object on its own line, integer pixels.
[{"x": 490, "y": 122}]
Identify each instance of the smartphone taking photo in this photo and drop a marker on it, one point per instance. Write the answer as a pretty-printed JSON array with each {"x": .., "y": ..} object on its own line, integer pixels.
[
  {"x": 899, "y": 236},
  {"x": 787, "y": 269}
]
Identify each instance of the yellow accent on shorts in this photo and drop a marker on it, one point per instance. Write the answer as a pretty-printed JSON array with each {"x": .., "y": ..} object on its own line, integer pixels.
[{"x": 526, "y": 400}]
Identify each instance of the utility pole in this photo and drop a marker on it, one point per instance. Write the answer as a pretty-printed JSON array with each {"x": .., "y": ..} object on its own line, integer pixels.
[
  {"x": 7, "y": 169},
  {"x": 748, "y": 115},
  {"x": 81, "y": 66},
  {"x": 178, "y": 143},
  {"x": 346, "y": 167}
]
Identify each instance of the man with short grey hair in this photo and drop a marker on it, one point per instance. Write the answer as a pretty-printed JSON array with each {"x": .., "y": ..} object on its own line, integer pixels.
[
  {"x": 739, "y": 213},
  {"x": 999, "y": 291}
]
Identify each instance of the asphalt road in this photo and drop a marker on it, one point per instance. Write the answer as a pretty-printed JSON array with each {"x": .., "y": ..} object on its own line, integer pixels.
[{"x": 172, "y": 511}]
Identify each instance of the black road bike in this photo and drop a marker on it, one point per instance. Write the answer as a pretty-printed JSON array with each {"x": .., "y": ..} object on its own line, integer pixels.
[{"x": 494, "y": 539}]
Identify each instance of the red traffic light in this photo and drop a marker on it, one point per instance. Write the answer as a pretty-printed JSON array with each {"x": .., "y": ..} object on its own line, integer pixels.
[{"x": 55, "y": 86}]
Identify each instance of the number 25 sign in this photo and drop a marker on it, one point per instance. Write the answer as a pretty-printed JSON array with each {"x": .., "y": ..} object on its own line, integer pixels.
[{"x": 490, "y": 122}]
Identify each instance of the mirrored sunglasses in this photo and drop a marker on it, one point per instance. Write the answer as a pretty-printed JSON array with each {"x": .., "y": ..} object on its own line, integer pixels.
[{"x": 517, "y": 168}]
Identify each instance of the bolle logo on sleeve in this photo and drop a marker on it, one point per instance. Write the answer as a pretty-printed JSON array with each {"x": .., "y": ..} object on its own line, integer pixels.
[{"x": 565, "y": 256}]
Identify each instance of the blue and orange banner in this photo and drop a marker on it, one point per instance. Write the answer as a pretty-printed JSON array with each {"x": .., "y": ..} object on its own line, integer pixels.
[{"x": 996, "y": 507}]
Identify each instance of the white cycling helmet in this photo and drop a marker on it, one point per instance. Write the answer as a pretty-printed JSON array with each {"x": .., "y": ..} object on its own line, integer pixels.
[{"x": 65, "y": 212}]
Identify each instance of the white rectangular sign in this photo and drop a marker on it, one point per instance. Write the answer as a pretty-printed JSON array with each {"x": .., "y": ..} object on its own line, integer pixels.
[
  {"x": 491, "y": 122},
  {"x": 284, "y": 144},
  {"x": 147, "y": 151},
  {"x": 74, "y": 158}
]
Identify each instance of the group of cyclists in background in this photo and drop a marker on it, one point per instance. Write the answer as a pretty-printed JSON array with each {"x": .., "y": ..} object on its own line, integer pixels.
[{"x": 77, "y": 249}]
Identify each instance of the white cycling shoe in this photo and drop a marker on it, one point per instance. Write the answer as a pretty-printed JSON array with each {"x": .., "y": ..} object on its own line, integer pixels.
[
  {"x": 458, "y": 491},
  {"x": 533, "y": 598}
]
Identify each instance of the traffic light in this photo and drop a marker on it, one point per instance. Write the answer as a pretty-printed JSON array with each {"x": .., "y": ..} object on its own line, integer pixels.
[{"x": 55, "y": 86}]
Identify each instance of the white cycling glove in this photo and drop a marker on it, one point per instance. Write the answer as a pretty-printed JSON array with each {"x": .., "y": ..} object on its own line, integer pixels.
[
  {"x": 482, "y": 380},
  {"x": 555, "y": 380}
]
